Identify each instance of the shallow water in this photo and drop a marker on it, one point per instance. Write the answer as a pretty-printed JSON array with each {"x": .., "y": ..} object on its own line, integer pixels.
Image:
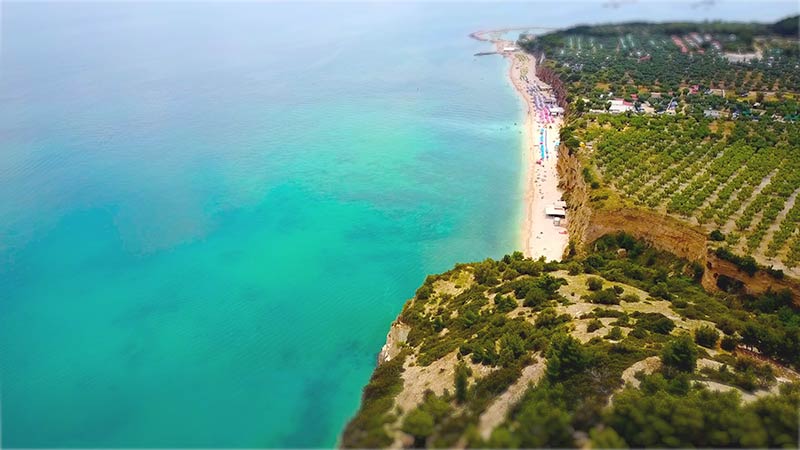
[{"x": 209, "y": 214}]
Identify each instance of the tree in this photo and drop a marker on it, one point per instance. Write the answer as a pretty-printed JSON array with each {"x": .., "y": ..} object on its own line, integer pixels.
[
  {"x": 717, "y": 235},
  {"x": 594, "y": 284},
  {"x": 606, "y": 438},
  {"x": 544, "y": 424},
  {"x": 461, "y": 381},
  {"x": 565, "y": 357},
  {"x": 615, "y": 334},
  {"x": 680, "y": 354},
  {"x": 419, "y": 424},
  {"x": 486, "y": 273},
  {"x": 502, "y": 438},
  {"x": 504, "y": 304},
  {"x": 511, "y": 348},
  {"x": 729, "y": 343},
  {"x": 706, "y": 336},
  {"x": 594, "y": 325},
  {"x": 535, "y": 297},
  {"x": 778, "y": 415},
  {"x": 607, "y": 296},
  {"x": 697, "y": 418}
]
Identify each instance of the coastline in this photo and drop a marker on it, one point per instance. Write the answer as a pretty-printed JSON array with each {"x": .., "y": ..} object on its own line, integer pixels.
[{"x": 539, "y": 236}]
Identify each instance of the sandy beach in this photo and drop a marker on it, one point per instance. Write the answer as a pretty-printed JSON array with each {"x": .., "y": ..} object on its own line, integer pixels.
[{"x": 541, "y": 235}]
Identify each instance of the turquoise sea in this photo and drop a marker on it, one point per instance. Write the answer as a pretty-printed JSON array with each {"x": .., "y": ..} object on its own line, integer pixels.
[{"x": 210, "y": 213}]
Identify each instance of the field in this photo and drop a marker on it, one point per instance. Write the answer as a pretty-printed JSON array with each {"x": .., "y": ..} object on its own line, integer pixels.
[
  {"x": 742, "y": 179},
  {"x": 658, "y": 64},
  {"x": 696, "y": 121}
]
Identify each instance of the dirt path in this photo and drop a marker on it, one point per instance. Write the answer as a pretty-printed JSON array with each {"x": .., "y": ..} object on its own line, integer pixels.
[{"x": 496, "y": 413}]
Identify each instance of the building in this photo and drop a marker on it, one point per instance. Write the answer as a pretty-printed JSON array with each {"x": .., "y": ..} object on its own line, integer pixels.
[
  {"x": 555, "y": 212},
  {"x": 619, "y": 106},
  {"x": 557, "y": 209},
  {"x": 712, "y": 113}
]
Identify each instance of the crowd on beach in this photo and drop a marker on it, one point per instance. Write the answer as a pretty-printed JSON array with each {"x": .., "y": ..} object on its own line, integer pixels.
[
  {"x": 541, "y": 102},
  {"x": 544, "y": 232}
]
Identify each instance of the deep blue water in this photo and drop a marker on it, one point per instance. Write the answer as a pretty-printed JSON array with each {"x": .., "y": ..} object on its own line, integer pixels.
[{"x": 210, "y": 213}]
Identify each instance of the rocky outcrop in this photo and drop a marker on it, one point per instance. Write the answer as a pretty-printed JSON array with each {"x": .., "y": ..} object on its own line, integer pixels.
[
  {"x": 551, "y": 78},
  {"x": 664, "y": 232},
  {"x": 757, "y": 283},
  {"x": 576, "y": 194},
  {"x": 672, "y": 235},
  {"x": 395, "y": 339}
]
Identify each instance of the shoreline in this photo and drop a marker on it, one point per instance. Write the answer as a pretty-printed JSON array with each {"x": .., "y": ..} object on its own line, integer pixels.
[{"x": 539, "y": 235}]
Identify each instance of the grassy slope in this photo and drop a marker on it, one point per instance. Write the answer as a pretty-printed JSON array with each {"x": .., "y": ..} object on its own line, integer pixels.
[{"x": 494, "y": 319}]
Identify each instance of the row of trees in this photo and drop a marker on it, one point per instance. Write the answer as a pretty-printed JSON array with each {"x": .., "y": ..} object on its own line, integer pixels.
[
  {"x": 638, "y": 58},
  {"x": 677, "y": 163}
]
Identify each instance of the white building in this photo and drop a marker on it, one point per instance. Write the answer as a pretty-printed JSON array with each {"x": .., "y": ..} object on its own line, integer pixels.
[
  {"x": 557, "y": 209},
  {"x": 619, "y": 105}
]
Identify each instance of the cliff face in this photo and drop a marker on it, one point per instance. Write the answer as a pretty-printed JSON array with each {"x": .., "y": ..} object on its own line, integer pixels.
[
  {"x": 586, "y": 224},
  {"x": 576, "y": 194},
  {"x": 662, "y": 232},
  {"x": 480, "y": 345},
  {"x": 552, "y": 79},
  {"x": 395, "y": 339},
  {"x": 758, "y": 283}
]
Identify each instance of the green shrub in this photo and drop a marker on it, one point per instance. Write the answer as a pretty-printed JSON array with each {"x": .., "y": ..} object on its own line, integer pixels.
[
  {"x": 605, "y": 297},
  {"x": 729, "y": 343},
  {"x": 717, "y": 235},
  {"x": 504, "y": 304},
  {"x": 615, "y": 334},
  {"x": 565, "y": 357},
  {"x": 638, "y": 333},
  {"x": 679, "y": 303},
  {"x": 680, "y": 354},
  {"x": 606, "y": 312},
  {"x": 366, "y": 429},
  {"x": 418, "y": 423},
  {"x": 594, "y": 283},
  {"x": 728, "y": 326},
  {"x": 424, "y": 292},
  {"x": 630, "y": 298},
  {"x": 655, "y": 322},
  {"x": 535, "y": 297},
  {"x": 706, "y": 336},
  {"x": 461, "y": 381},
  {"x": 594, "y": 325},
  {"x": 661, "y": 290}
]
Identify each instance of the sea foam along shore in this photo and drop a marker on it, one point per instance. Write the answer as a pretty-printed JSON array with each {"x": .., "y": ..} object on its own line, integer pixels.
[{"x": 540, "y": 236}]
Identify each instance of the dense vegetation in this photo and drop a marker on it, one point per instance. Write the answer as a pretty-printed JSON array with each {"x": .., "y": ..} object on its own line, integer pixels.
[
  {"x": 642, "y": 59},
  {"x": 706, "y": 137},
  {"x": 642, "y": 303}
]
